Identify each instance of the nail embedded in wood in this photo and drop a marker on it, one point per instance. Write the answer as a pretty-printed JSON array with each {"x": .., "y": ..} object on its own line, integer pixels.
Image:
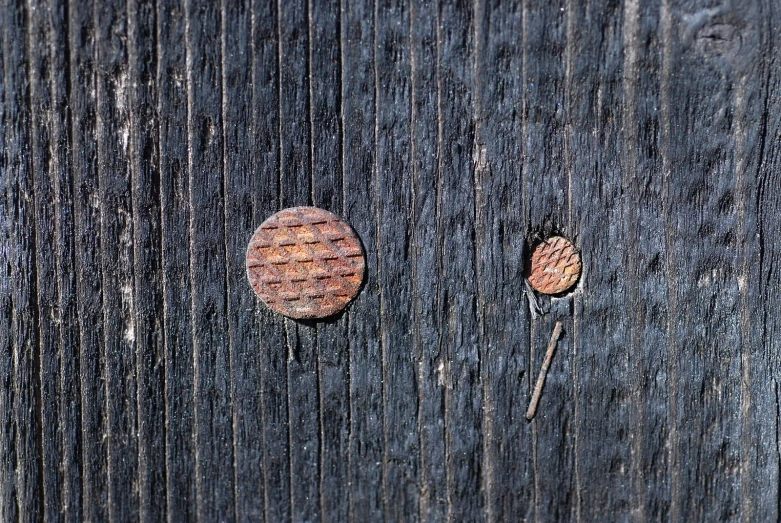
[
  {"x": 555, "y": 266},
  {"x": 543, "y": 371},
  {"x": 305, "y": 263}
]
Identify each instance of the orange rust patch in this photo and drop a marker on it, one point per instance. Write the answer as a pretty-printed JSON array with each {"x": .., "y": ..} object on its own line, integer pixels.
[
  {"x": 305, "y": 263},
  {"x": 555, "y": 266}
]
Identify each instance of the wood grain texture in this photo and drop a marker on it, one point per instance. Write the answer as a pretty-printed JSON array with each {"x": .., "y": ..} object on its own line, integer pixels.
[{"x": 142, "y": 142}]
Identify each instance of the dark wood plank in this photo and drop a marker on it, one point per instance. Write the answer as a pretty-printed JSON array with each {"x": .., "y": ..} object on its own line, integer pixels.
[
  {"x": 7, "y": 501},
  {"x": 7, "y": 253},
  {"x": 69, "y": 390},
  {"x": 304, "y": 426},
  {"x": 143, "y": 151},
  {"x": 546, "y": 195},
  {"x": 117, "y": 257},
  {"x": 501, "y": 227},
  {"x": 457, "y": 299},
  {"x": 325, "y": 98},
  {"x": 705, "y": 181},
  {"x": 143, "y": 142},
  {"x": 295, "y": 138},
  {"x": 214, "y": 459},
  {"x": 175, "y": 216},
  {"x": 400, "y": 400},
  {"x": 238, "y": 57},
  {"x": 87, "y": 218},
  {"x": 41, "y": 71},
  {"x": 358, "y": 24},
  {"x": 766, "y": 413},
  {"x": 596, "y": 181},
  {"x": 7, "y": 247},
  {"x": 425, "y": 255},
  {"x": 24, "y": 498},
  {"x": 333, "y": 361},
  {"x": 273, "y": 349},
  {"x": 758, "y": 446},
  {"x": 646, "y": 290}
]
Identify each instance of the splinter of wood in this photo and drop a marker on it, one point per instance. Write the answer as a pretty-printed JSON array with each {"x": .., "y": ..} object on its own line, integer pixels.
[{"x": 544, "y": 371}]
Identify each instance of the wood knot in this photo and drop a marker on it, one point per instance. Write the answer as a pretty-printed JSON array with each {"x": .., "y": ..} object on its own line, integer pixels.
[
  {"x": 713, "y": 32},
  {"x": 718, "y": 40}
]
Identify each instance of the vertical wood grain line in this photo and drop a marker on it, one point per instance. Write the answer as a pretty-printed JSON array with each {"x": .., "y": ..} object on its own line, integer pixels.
[
  {"x": 414, "y": 268},
  {"x": 266, "y": 165},
  {"x": 739, "y": 166},
  {"x": 378, "y": 253},
  {"x": 416, "y": 345},
  {"x": 310, "y": 100},
  {"x": 279, "y": 119},
  {"x": 778, "y": 438},
  {"x": 312, "y": 201},
  {"x": 255, "y": 123},
  {"x": 87, "y": 265},
  {"x": 191, "y": 230},
  {"x": 163, "y": 277},
  {"x": 365, "y": 373},
  {"x": 763, "y": 177},
  {"x": 569, "y": 57},
  {"x": 748, "y": 180},
  {"x": 102, "y": 352},
  {"x": 69, "y": 384},
  {"x": 348, "y": 316},
  {"x": 226, "y": 232},
  {"x": 54, "y": 115},
  {"x": 33, "y": 279},
  {"x": 165, "y": 341},
  {"x": 6, "y": 295},
  {"x": 526, "y": 251},
  {"x": 670, "y": 266},
  {"x": 130, "y": 356},
  {"x": 425, "y": 143},
  {"x": 160, "y": 240},
  {"x": 132, "y": 58},
  {"x": 445, "y": 367},
  {"x": 226, "y": 247},
  {"x": 285, "y": 322},
  {"x": 526, "y": 201},
  {"x": 331, "y": 353},
  {"x": 147, "y": 295},
  {"x": 33, "y": 78},
  {"x": 480, "y": 231},
  {"x": 630, "y": 166},
  {"x": 343, "y": 160},
  {"x": 288, "y": 352}
]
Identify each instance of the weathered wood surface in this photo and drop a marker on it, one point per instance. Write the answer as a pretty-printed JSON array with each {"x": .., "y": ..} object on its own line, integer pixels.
[{"x": 142, "y": 142}]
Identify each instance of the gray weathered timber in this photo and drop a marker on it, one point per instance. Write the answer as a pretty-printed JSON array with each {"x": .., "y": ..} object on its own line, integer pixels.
[{"x": 142, "y": 142}]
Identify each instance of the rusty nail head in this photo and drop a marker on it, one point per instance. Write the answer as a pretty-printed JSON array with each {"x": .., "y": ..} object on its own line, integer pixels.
[
  {"x": 555, "y": 266},
  {"x": 305, "y": 263}
]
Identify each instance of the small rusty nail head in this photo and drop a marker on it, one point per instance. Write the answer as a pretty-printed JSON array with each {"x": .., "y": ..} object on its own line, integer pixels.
[
  {"x": 305, "y": 263},
  {"x": 555, "y": 266}
]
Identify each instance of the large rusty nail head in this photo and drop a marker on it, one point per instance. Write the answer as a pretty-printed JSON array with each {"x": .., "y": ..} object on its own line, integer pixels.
[{"x": 305, "y": 263}]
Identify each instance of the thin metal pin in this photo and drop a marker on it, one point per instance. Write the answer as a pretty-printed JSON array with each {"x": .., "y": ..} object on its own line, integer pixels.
[{"x": 544, "y": 371}]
